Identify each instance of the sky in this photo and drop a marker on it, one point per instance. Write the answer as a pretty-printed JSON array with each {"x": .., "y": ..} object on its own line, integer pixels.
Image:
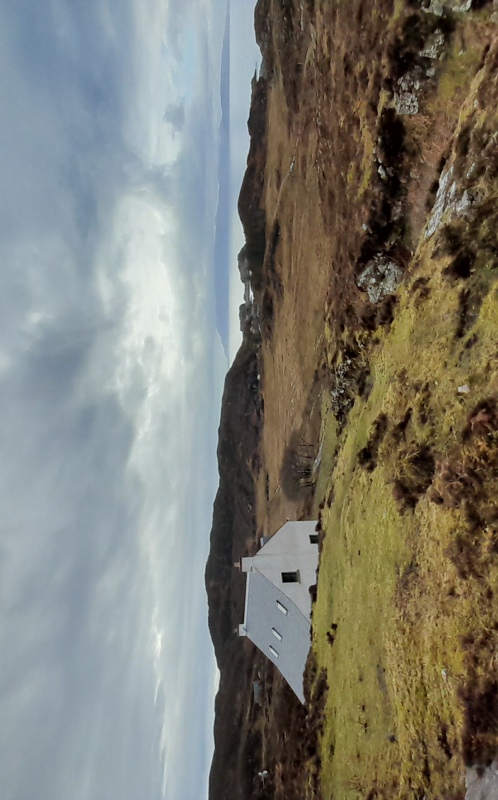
[{"x": 111, "y": 373}]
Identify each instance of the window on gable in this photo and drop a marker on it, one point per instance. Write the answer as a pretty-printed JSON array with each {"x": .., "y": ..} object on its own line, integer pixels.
[
  {"x": 282, "y": 608},
  {"x": 290, "y": 577},
  {"x": 276, "y": 634},
  {"x": 273, "y": 651},
  {"x": 313, "y": 538}
]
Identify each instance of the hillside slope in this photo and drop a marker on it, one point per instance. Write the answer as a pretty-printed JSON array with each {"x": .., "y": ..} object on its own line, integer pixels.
[{"x": 370, "y": 207}]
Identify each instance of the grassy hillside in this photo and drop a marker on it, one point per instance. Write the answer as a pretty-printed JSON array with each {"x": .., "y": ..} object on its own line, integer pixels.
[
  {"x": 409, "y": 564},
  {"x": 370, "y": 206}
]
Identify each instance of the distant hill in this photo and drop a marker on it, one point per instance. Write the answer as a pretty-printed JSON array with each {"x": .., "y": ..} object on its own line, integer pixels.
[
  {"x": 233, "y": 523},
  {"x": 236, "y": 750}
]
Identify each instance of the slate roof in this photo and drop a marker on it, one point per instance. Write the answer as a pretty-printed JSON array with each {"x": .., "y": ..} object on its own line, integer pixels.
[{"x": 262, "y": 614}]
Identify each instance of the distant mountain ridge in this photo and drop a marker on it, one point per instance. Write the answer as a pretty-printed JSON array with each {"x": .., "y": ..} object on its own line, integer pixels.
[{"x": 233, "y": 765}]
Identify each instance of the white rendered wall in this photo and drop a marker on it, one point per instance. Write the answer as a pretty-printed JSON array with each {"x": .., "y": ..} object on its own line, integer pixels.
[{"x": 289, "y": 550}]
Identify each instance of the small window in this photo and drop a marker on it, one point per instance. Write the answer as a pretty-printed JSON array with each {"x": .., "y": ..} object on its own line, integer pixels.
[
  {"x": 282, "y": 608},
  {"x": 273, "y": 651},
  {"x": 313, "y": 538},
  {"x": 276, "y": 634},
  {"x": 290, "y": 577}
]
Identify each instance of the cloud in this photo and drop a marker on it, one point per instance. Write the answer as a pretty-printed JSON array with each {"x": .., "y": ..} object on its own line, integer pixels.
[
  {"x": 108, "y": 401},
  {"x": 175, "y": 116}
]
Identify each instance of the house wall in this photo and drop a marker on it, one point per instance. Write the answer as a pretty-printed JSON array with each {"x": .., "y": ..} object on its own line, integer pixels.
[
  {"x": 263, "y": 614},
  {"x": 288, "y": 550}
]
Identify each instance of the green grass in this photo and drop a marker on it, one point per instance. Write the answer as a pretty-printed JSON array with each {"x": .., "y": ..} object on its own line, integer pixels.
[
  {"x": 394, "y": 711},
  {"x": 396, "y": 634}
]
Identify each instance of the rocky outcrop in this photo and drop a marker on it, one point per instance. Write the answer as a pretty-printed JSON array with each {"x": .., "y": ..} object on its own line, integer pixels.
[{"x": 250, "y": 204}]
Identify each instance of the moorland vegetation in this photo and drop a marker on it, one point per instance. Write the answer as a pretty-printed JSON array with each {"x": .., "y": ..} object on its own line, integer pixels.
[{"x": 366, "y": 394}]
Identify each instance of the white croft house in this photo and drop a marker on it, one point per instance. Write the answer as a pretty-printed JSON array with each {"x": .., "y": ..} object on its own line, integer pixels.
[{"x": 278, "y": 600}]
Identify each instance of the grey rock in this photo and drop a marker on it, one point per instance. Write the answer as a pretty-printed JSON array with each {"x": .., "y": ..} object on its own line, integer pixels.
[
  {"x": 406, "y": 98},
  {"x": 446, "y": 195},
  {"x": 436, "y": 7},
  {"x": 439, "y": 8},
  {"x": 434, "y": 46},
  {"x": 406, "y": 103},
  {"x": 465, "y": 202},
  {"x": 461, "y": 5},
  {"x": 382, "y": 172},
  {"x": 482, "y": 784},
  {"x": 380, "y": 278},
  {"x": 448, "y": 202}
]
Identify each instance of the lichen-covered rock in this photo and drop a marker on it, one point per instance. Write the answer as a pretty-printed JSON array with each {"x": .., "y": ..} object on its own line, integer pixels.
[
  {"x": 406, "y": 103},
  {"x": 445, "y": 197},
  {"x": 450, "y": 202},
  {"x": 406, "y": 98},
  {"x": 440, "y": 8},
  {"x": 380, "y": 278},
  {"x": 435, "y": 7},
  {"x": 434, "y": 46}
]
